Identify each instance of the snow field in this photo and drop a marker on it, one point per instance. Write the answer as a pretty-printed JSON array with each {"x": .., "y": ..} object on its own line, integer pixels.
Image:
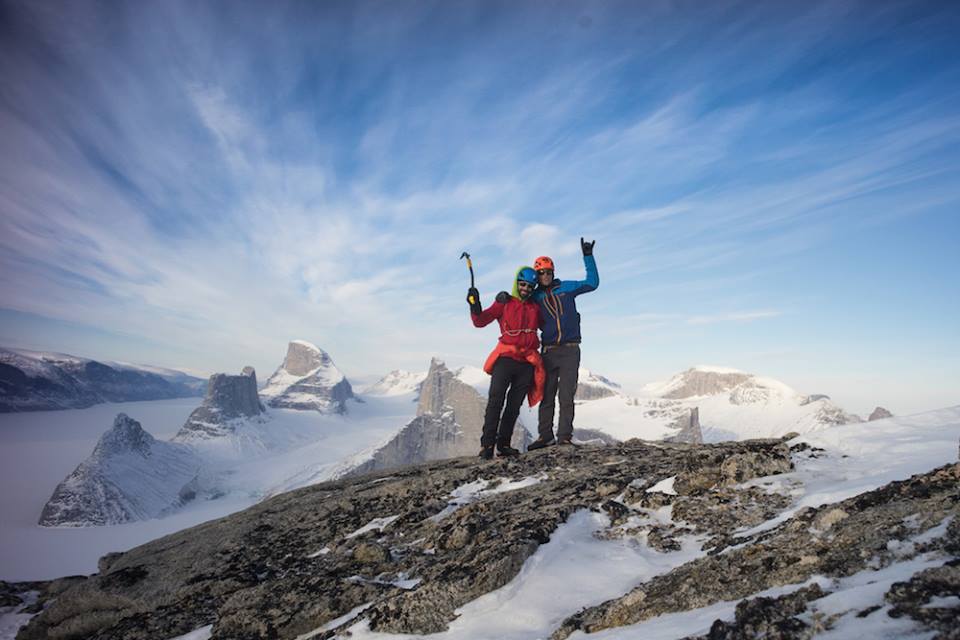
[{"x": 863, "y": 457}]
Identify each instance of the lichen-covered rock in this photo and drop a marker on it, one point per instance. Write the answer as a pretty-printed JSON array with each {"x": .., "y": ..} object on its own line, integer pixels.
[
  {"x": 370, "y": 553},
  {"x": 932, "y": 598},
  {"x": 792, "y": 552},
  {"x": 708, "y": 468},
  {"x": 768, "y": 618}
]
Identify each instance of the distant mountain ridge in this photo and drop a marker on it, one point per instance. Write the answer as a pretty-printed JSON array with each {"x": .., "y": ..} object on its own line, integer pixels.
[
  {"x": 42, "y": 381},
  {"x": 232, "y": 427},
  {"x": 729, "y": 405},
  {"x": 397, "y": 382}
]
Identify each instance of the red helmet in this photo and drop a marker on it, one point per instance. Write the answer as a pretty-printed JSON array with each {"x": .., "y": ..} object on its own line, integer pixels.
[{"x": 543, "y": 262}]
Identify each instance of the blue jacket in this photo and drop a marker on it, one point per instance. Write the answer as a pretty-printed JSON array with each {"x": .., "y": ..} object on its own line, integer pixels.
[{"x": 559, "y": 320}]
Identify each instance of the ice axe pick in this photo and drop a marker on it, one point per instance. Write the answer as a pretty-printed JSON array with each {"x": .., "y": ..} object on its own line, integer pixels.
[{"x": 469, "y": 266}]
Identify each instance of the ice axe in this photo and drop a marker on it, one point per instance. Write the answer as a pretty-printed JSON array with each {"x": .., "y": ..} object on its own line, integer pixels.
[{"x": 471, "y": 298}]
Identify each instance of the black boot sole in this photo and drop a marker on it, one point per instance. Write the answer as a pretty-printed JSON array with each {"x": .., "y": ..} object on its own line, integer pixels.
[{"x": 536, "y": 446}]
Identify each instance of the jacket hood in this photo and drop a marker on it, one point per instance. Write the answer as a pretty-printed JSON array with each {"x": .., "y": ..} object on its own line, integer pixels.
[{"x": 515, "y": 292}]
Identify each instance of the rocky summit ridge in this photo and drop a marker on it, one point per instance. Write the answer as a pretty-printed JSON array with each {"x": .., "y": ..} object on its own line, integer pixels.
[{"x": 400, "y": 551}]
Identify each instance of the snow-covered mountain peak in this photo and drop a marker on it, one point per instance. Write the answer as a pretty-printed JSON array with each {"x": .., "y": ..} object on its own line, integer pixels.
[
  {"x": 397, "y": 382},
  {"x": 308, "y": 379},
  {"x": 709, "y": 381},
  {"x": 711, "y": 368},
  {"x": 306, "y": 359},
  {"x": 125, "y": 435},
  {"x": 130, "y": 476},
  {"x": 698, "y": 381},
  {"x": 731, "y": 404},
  {"x": 593, "y": 386}
]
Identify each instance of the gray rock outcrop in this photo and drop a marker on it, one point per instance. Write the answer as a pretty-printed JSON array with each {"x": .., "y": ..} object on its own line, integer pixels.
[
  {"x": 401, "y": 544},
  {"x": 688, "y": 428},
  {"x": 308, "y": 380},
  {"x": 879, "y": 414},
  {"x": 830, "y": 414},
  {"x": 129, "y": 476},
  {"x": 229, "y": 398},
  {"x": 448, "y": 424},
  {"x": 697, "y": 382}
]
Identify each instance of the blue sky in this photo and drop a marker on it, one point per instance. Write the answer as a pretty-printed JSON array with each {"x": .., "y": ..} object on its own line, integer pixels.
[{"x": 772, "y": 186}]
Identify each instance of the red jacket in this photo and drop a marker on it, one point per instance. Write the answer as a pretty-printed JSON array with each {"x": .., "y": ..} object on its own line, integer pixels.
[{"x": 519, "y": 322}]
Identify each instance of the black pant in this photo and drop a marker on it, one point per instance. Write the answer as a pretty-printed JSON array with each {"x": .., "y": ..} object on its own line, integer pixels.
[
  {"x": 562, "y": 365},
  {"x": 517, "y": 376}
]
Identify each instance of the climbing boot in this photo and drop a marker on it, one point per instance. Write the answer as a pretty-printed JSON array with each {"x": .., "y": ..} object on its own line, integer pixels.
[{"x": 540, "y": 443}]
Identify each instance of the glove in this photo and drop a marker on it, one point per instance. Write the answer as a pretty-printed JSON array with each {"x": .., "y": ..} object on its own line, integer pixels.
[
  {"x": 587, "y": 247},
  {"x": 473, "y": 299},
  {"x": 503, "y": 297}
]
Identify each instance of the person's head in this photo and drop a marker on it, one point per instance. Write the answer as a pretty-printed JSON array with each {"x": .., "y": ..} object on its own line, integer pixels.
[
  {"x": 544, "y": 268},
  {"x": 526, "y": 281}
]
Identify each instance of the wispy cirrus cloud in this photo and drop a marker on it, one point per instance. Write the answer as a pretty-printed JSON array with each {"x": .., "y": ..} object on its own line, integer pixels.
[{"x": 223, "y": 185}]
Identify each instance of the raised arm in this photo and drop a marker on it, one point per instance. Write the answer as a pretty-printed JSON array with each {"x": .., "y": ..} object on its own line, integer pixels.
[
  {"x": 590, "y": 264},
  {"x": 593, "y": 276}
]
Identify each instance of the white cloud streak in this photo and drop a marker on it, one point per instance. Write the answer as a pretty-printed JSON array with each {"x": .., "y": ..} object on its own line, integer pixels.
[{"x": 231, "y": 197}]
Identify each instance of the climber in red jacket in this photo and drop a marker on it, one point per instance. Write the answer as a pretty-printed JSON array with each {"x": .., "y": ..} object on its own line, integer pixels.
[{"x": 515, "y": 366}]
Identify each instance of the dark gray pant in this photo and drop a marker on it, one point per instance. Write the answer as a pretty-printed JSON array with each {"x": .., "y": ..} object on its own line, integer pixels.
[
  {"x": 517, "y": 377},
  {"x": 562, "y": 365}
]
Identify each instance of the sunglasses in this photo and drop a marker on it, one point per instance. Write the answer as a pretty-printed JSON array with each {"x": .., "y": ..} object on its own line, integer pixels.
[
  {"x": 523, "y": 283},
  {"x": 540, "y": 272}
]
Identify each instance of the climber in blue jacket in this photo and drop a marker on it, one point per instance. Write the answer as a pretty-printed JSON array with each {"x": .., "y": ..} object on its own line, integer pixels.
[{"x": 560, "y": 337}]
